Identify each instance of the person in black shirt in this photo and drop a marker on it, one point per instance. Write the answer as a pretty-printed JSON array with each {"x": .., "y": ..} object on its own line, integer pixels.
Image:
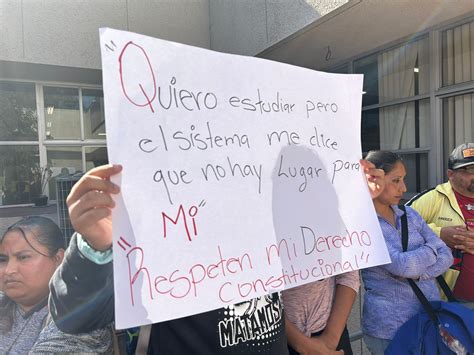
[{"x": 82, "y": 290}]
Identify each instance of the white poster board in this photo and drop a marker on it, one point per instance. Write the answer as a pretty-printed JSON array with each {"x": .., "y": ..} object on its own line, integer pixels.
[{"x": 241, "y": 177}]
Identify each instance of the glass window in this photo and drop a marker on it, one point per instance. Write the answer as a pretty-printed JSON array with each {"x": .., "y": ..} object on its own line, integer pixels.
[
  {"x": 458, "y": 122},
  {"x": 93, "y": 112},
  {"x": 370, "y": 132},
  {"x": 369, "y": 67},
  {"x": 61, "y": 113},
  {"x": 18, "y": 118},
  {"x": 64, "y": 108},
  {"x": 63, "y": 161},
  {"x": 342, "y": 69},
  {"x": 404, "y": 126},
  {"x": 396, "y": 73},
  {"x": 458, "y": 54},
  {"x": 416, "y": 166},
  {"x": 96, "y": 156},
  {"x": 17, "y": 164}
]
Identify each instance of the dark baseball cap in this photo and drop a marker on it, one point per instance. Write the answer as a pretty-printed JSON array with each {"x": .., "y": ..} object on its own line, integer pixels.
[{"x": 461, "y": 156}]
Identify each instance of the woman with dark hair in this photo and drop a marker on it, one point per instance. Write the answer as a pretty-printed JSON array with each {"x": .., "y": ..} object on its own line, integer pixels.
[
  {"x": 389, "y": 300},
  {"x": 30, "y": 251}
]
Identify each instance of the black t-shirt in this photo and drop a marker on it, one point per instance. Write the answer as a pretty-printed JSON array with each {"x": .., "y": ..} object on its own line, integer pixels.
[{"x": 256, "y": 326}]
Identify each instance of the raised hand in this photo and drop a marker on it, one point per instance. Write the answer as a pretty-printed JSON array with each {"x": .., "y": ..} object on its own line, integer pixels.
[
  {"x": 90, "y": 205},
  {"x": 375, "y": 178}
]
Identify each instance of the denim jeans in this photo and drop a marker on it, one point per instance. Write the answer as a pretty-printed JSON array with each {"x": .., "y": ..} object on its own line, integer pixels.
[{"x": 376, "y": 346}]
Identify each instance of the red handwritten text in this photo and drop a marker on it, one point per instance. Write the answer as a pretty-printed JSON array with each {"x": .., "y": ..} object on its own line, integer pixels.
[{"x": 135, "y": 50}]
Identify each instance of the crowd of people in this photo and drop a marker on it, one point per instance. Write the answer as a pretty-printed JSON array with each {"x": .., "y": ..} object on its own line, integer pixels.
[{"x": 78, "y": 281}]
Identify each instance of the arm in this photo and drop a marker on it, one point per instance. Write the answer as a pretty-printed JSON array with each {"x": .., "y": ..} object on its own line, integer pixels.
[
  {"x": 335, "y": 314},
  {"x": 81, "y": 298},
  {"x": 458, "y": 237},
  {"x": 436, "y": 229},
  {"x": 426, "y": 205},
  {"x": 455, "y": 237},
  {"x": 306, "y": 345},
  {"x": 340, "y": 311},
  {"x": 90, "y": 206},
  {"x": 81, "y": 290},
  {"x": 432, "y": 257},
  {"x": 410, "y": 264},
  {"x": 444, "y": 257}
]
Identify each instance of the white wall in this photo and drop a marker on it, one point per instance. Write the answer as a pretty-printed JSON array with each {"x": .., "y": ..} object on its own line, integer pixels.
[
  {"x": 250, "y": 26},
  {"x": 65, "y": 32}
]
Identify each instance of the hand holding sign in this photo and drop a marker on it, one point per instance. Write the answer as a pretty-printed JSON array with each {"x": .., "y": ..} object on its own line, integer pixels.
[
  {"x": 375, "y": 178},
  {"x": 90, "y": 205}
]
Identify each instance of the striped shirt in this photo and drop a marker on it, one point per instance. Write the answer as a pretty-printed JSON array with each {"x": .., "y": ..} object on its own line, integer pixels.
[
  {"x": 389, "y": 301},
  {"x": 308, "y": 306},
  {"x": 25, "y": 330}
]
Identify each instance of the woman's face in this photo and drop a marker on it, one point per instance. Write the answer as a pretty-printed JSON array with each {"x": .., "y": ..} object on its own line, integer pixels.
[
  {"x": 25, "y": 272},
  {"x": 394, "y": 185}
]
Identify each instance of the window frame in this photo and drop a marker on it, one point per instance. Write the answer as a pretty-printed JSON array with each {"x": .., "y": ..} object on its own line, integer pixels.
[
  {"x": 42, "y": 142},
  {"x": 436, "y": 93}
]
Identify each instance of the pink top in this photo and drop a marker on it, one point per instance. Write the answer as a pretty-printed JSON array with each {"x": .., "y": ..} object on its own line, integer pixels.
[{"x": 308, "y": 306}]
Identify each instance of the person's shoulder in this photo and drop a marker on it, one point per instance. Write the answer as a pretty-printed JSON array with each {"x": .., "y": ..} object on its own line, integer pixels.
[
  {"x": 51, "y": 340},
  {"x": 5, "y": 301},
  {"x": 427, "y": 195},
  {"x": 422, "y": 196},
  {"x": 412, "y": 213}
]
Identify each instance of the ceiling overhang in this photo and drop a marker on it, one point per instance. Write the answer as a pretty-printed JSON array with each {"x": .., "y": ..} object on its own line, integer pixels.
[{"x": 360, "y": 26}]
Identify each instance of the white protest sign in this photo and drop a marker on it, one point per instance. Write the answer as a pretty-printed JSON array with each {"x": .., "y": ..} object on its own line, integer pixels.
[{"x": 241, "y": 177}]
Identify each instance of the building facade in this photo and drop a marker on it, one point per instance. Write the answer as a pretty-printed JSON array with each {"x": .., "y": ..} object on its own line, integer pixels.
[
  {"x": 418, "y": 62},
  {"x": 51, "y": 100},
  {"x": 417, "y": 58}
]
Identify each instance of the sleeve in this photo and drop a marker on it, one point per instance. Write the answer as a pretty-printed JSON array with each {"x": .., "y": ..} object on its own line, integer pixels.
[
  {"x": 295, "y": 305},
  {"x": 435, "y": 229},
  {"x": 444, "y": 256},
  {"x": 413, "y": 263},
  {"x": 410, "y": 264},
  {"x": 81, "y": 298},
  {"x": 98, "y": 257},
  {"x": 349, "y": 279},
  {"x": 425, "y": 262}
]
